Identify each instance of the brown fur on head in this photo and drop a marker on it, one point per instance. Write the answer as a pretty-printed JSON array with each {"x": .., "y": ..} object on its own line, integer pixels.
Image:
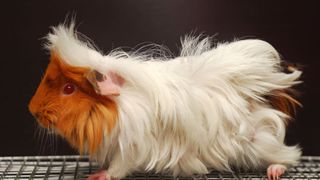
[{"x": 83, "y": 117}]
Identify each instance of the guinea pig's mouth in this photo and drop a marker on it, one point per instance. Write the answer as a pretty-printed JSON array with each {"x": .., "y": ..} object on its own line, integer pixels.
[{"x": 45, "y": 122}]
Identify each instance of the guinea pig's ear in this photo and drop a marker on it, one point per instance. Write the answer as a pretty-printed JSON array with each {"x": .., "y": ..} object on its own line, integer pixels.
[{"x": 108, "y": 84}]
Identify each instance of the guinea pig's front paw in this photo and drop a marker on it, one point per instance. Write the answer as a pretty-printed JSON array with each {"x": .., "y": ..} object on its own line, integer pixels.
[{"x": 100, "y": 175}]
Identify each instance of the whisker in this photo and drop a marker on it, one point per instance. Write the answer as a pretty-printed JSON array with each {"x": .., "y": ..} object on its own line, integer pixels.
[
  {"x": 49, "y": 141},
  {"x": 36, "y": 129},
  {"x": 42, "y": 141},
  {"x": 46, "y": 142},
  {"x": 52, "y": 140},
  {"x": 41, "y": 137},
  {"x": 56, "y": 140}
]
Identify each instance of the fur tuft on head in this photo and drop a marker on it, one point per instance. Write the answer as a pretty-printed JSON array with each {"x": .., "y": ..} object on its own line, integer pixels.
[{"x": 72, "y": 47}]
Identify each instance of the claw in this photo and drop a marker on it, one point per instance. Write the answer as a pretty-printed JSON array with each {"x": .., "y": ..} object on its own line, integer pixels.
[{"x": 275, "y": 171}]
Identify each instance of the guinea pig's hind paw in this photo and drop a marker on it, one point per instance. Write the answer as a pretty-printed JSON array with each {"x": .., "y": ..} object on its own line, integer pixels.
[
  {"x": 275, "y": 171},
  {"x": 100, "y": 175}
]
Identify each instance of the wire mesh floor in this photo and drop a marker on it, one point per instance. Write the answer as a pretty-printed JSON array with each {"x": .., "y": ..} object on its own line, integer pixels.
[{"x": 76, "y": 167}]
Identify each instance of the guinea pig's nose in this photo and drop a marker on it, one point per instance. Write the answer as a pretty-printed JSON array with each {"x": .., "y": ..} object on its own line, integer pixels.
[
  {"x": 34, "y": 109},
  {"x": 34, "y": 112}
]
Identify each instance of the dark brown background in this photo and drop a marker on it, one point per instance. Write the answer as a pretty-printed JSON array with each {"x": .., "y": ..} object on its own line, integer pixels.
[{"x": 292, "y": 27}]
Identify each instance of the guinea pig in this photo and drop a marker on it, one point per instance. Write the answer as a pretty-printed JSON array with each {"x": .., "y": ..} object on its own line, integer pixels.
[{"x": 212, "y": 107}]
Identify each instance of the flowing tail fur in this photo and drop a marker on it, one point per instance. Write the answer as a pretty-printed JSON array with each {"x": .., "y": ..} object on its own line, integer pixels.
[{"x": 250, "y": 69}]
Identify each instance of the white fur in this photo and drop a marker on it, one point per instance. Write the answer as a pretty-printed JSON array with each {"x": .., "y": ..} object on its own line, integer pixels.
[{"x": 203, "y": 109}]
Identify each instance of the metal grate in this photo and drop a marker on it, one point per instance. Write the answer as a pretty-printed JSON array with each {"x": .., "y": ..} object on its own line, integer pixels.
[{"x": 76, "y": 167}]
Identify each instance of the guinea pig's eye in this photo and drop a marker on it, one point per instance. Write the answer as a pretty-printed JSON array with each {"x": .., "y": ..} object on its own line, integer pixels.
[{"x": 69, "y": 89}]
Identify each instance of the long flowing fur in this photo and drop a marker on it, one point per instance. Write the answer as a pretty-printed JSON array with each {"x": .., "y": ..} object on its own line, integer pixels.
[{"x": 204, "y": 109}]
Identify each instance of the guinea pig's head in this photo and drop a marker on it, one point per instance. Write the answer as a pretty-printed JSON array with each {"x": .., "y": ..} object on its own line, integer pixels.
[{"x": 67, "y": 102}]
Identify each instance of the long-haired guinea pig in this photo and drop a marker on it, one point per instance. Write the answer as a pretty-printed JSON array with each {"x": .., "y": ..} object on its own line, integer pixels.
[{"x": 212, "y": 107}]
